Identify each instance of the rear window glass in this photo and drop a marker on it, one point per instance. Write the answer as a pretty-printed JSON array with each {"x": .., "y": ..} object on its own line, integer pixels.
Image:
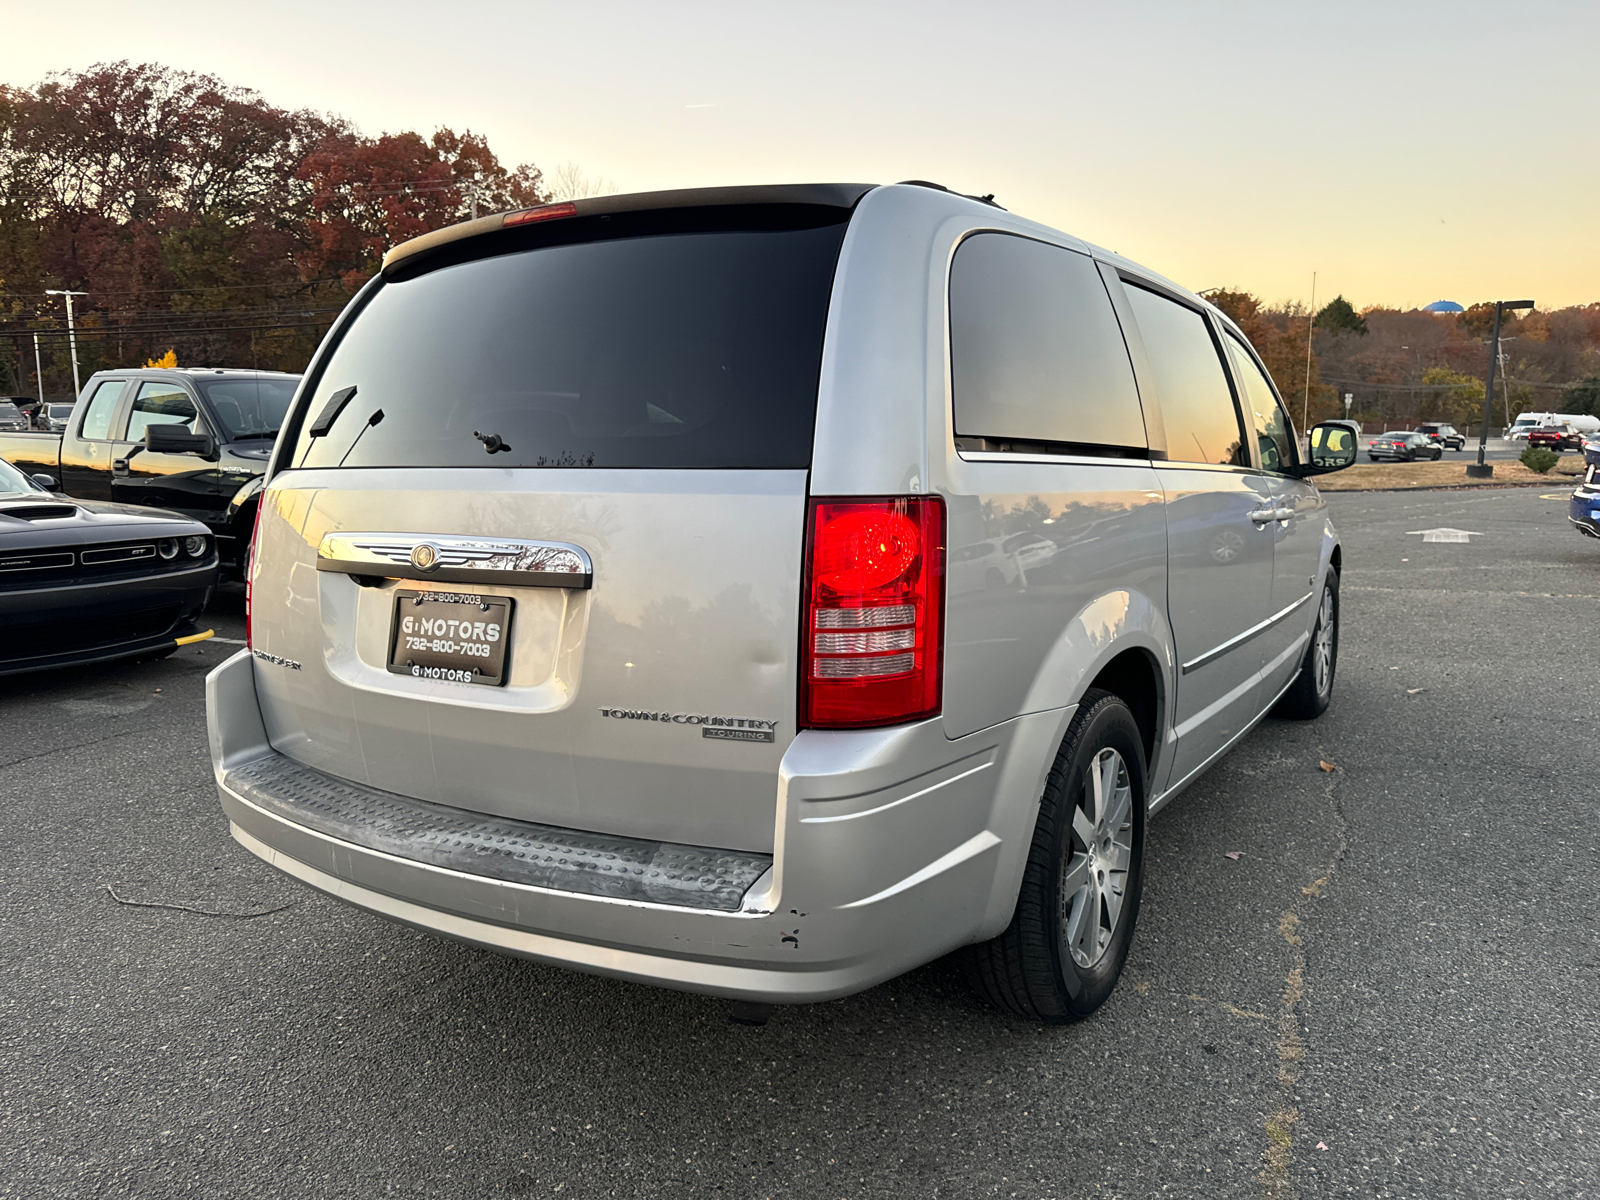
[
  {"x": 1196, "y": 401},
  {"x": 250, "y": 407},
  {"x": 695, "y": 349},
  {"x": 1036, "y": 353}
]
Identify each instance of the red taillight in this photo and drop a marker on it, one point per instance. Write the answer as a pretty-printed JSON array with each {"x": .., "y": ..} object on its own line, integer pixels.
[
  {"x": 545, "y": 212},
  {"x": 874, "y": 612},
  {"x": 250, "y": 569}
]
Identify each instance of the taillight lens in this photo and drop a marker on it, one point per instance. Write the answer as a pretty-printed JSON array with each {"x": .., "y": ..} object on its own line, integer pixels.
[
  {"x": 250, "y": 569},
  {"x": 545, "y": 212},
  {"x": 874, "y": 612}
]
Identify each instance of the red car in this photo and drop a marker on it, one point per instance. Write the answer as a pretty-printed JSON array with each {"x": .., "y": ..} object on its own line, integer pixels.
[{"x": 1556, "y": 437}]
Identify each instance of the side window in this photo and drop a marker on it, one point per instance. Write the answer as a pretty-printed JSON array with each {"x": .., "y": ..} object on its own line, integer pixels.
[
  {"x": 1036, "y": 353},
  {"x": 161, "y": 404},
  {"x": 1274, "y": 434},
  {"x": 1196, "y": 401},
  {"x": 97, "y": 413}
]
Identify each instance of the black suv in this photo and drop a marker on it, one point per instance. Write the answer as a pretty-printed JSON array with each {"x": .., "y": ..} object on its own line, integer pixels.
[{"x": 1442, "y": 433}]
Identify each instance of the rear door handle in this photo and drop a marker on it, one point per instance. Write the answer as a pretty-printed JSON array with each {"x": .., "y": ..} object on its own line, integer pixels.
[{"x": 1262, "y": 516}]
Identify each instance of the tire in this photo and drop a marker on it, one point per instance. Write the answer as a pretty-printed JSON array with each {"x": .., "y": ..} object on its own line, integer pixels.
[
  {"x": 1309, "y": 695},
  {"x": 1052, "y": 964},
  {"x": 1373, "y": 457},
  {"x": 1437, "y": 455}
]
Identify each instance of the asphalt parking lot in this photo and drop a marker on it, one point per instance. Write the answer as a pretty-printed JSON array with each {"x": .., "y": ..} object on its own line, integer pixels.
[{"x": 1389, "y": 992}]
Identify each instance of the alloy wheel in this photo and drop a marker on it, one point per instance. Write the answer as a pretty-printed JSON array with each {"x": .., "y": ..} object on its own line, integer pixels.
[
  {"x": 1094, "y": 877},
  {"x": 1322, "y": 644}
]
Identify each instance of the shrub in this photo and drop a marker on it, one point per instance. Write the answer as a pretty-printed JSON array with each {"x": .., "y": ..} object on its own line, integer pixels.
[{"x": 1539, "y": 460}]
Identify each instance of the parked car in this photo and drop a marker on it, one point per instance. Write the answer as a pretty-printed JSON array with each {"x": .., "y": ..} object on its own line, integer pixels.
[
  {"x": 1556, "y": 437},
  {"x": 94, "y": 457},
  {"x": 12, "y": 417},
  {"x": 981, "y": 565},
  {"x": 1403, "y": 446},
  {"x": 52, "y": 418},
  {"x": 1584, "y": 508},
  {"x": 1441, "y": 433},
  {"x": 624, "y": 641},
  {"x": 84, "y": 582}
]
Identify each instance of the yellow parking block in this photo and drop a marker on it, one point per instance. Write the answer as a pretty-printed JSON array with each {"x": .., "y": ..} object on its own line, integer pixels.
[{"x": 197, "y": 637}]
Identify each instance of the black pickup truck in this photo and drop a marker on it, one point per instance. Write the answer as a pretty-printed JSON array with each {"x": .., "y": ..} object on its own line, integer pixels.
[{"x": 102, "y": 455}]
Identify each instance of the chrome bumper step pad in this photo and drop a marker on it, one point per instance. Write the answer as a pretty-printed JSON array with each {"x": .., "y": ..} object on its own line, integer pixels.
[{"x": 567, "y": 860}]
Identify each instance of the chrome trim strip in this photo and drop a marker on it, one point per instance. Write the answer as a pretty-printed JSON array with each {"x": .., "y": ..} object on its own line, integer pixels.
[
  {"x": 1028, "y": 456},
  {"x": 1172, "y": 791},
  {"x": 1238, "y": 640},
  {"x": 455, "y": 559}
]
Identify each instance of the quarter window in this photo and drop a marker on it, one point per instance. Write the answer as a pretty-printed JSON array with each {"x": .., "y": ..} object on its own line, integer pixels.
[
  {"x": 1036, "y": 352},
  {"x": 1196, "y": 401},
  {"x": 1274, "y": 434},
  {"x": 161, "y": 404},
  {"x": 96, "y": 425}
]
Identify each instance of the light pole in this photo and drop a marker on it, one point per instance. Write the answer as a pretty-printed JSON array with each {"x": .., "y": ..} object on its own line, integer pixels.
[
  {"x": 1481, "y": 469},
  {"x": 72, "y": 336},
  {"x": 38, "y": 369}
]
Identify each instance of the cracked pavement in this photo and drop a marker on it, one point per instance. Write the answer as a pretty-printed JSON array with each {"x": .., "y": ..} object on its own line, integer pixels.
[{"x": 1427, "y": 1014}]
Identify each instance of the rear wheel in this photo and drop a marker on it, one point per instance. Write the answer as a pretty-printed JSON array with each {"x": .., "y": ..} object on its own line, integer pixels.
[
  {"x": 1309, "y": 695},
  {"x": 1060, "y": 957}
]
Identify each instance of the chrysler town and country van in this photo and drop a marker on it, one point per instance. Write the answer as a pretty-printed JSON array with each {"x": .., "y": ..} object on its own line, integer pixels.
[{"x": 604, "y": 609}]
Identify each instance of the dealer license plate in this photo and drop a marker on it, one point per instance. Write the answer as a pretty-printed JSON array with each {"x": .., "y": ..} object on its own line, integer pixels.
[{"x": 457, "y": 637}]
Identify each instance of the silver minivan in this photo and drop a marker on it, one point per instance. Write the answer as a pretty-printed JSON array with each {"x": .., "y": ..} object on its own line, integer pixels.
[{"x": 764, "y": 591}]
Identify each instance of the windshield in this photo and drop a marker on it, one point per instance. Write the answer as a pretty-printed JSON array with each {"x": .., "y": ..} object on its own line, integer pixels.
[
  {"x": 694, "y": 349},
  {"x": 13, "y": 480},
  {"x": 251, "y": 407}
]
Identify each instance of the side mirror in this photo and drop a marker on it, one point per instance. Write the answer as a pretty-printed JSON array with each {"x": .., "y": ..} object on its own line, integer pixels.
[
  {"x": 1333, "y": 448},
  {"x": 48, "y": 482},
  {"x": 176, "y": 439}
]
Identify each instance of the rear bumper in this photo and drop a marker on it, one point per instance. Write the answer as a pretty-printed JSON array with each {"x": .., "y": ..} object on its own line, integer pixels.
[
  {"x": 892, "y": 847},
  {"x": 1584, "y": 512}
]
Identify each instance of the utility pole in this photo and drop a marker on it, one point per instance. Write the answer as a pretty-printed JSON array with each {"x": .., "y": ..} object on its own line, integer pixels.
[
  {"x": 72, "y": 337},
  {"x": 38, "y": 369},
  {"x": 1481, "y": 469},
  {"x": 1311, "y": 320}
]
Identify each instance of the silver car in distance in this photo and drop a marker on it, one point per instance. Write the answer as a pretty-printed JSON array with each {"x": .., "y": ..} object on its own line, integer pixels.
[{"x": 764, "y": 591}]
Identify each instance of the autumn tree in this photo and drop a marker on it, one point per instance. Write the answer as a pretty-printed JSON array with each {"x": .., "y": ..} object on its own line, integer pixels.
[
  {"x": 200, "y": 216},
  {"x": 1279, "y": 337},
  {"x": 1339, "y": 315},
  {"x": 1451, "y": 396}
]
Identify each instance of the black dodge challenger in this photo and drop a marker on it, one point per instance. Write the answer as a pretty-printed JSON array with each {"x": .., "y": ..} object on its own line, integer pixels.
[{"x": 83, "y": 581}]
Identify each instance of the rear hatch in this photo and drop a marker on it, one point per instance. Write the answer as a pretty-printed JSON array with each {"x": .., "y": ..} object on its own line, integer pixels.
[{"x": 537, "y": 549}]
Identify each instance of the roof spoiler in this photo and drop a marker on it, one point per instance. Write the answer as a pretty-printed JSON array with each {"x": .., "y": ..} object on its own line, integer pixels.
[{"x": 829, "y": 195}]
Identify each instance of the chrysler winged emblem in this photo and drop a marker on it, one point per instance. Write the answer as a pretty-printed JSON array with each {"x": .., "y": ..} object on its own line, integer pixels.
[{"x": 453, "y": 558}]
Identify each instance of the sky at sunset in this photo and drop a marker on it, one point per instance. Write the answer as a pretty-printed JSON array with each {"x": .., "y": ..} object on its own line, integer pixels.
[{"x": 1406, "y": 152}]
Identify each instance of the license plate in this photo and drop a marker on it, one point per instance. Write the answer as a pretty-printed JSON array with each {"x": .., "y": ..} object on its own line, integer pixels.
[{"x": 457, "y": 637}]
